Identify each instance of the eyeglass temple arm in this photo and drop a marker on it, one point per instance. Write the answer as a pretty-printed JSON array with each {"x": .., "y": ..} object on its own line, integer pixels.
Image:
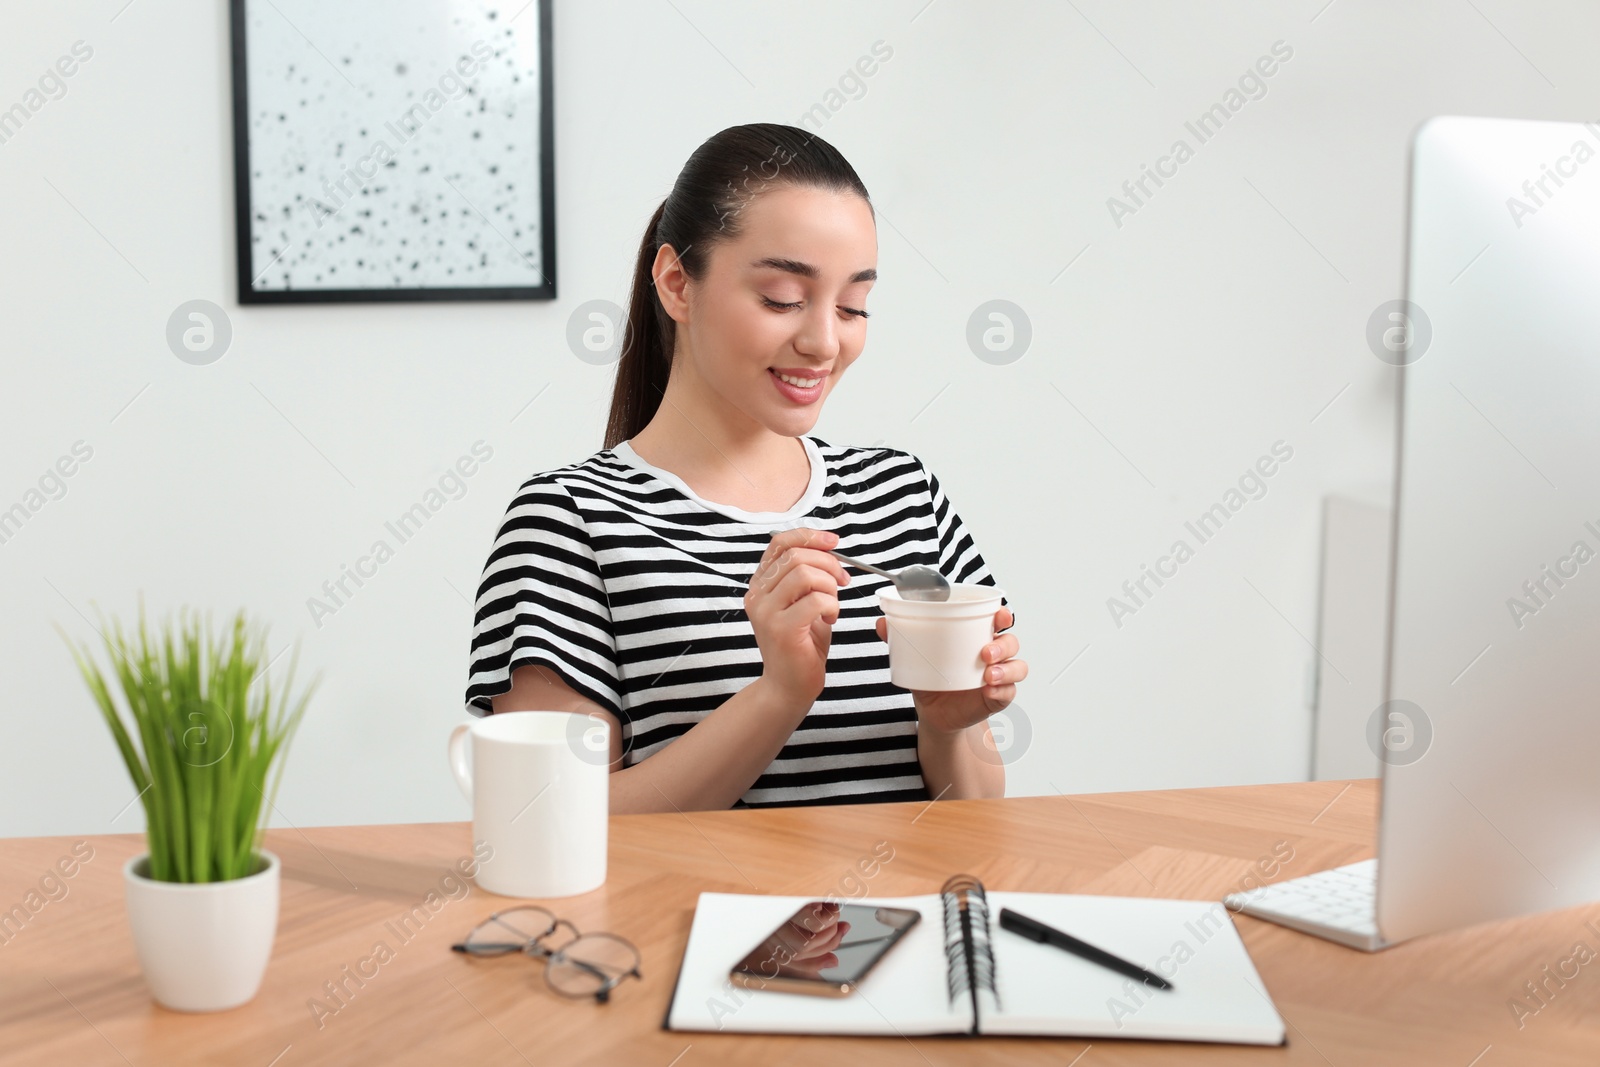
[{"x": 597, "y": 972}]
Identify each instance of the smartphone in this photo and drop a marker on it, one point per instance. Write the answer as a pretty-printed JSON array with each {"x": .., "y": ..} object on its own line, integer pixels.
[{"x": 825, "y": 948}]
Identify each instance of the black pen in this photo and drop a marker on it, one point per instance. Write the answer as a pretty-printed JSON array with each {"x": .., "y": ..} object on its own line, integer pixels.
[{"x": 1034, "y": 930}]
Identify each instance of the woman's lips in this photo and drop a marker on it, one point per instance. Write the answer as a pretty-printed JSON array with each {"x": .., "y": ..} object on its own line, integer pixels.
[{"x": 794, "y": 392}]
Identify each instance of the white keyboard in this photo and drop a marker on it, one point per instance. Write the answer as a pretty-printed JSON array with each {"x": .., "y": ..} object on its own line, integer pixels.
[{"x": 1338, "y": 904}]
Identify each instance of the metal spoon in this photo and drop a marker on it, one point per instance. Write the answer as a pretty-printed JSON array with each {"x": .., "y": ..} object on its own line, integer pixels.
[{"x": 914, "y": 583}]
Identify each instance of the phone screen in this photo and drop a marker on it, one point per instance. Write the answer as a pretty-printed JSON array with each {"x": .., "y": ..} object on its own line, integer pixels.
[{"x": 828, "y": 943}]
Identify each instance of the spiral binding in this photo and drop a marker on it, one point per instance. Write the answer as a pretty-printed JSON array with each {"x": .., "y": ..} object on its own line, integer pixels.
[{"x": 969, "y": 956}]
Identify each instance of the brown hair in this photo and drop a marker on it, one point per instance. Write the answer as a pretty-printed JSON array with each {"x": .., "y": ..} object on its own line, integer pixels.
[{"x": 722, "y": 176}]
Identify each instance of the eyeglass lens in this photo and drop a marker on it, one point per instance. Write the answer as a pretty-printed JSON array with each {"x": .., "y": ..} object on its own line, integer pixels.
[
  {"x": 591, "y": 963},
  {"x": 510, "y": 930}
]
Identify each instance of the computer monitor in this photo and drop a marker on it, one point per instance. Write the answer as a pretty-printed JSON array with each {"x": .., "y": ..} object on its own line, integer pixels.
[{"x": 1491, "y": 771}]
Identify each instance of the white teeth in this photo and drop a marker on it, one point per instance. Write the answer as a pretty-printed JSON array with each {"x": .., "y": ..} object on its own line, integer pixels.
[{"x": 803, "y": 383}]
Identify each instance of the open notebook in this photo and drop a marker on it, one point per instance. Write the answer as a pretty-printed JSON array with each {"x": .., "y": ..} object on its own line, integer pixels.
[{"x": 953, "y": 977}]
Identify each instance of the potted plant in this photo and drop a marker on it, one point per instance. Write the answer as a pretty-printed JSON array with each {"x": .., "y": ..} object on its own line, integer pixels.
[{"x": 200, "y": 734}]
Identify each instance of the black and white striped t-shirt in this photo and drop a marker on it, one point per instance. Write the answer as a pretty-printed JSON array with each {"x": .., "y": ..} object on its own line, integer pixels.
[{"x": 617, "y": 576}]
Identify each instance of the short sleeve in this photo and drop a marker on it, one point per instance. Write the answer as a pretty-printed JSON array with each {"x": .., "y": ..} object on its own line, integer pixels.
[
  {"x": 542, "y": 600},
  {"x": 959, "y": 558}
]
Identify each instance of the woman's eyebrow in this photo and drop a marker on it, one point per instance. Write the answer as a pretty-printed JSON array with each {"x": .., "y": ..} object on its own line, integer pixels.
[{"x": 806, "y": 270}]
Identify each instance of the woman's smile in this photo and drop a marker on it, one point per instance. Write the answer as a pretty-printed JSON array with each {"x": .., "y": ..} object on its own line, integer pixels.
[{"x": 804, "y": 387}]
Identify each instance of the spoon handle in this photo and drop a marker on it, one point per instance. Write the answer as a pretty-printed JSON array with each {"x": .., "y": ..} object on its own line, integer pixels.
[{"x": 863, "y": 566}]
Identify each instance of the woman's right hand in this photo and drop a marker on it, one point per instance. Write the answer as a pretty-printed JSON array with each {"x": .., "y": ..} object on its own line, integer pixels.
[{"x": 792, "y": 603}]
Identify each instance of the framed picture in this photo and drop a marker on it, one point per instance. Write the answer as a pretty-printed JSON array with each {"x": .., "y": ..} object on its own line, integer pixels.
[{"x": 393, "y": 150}]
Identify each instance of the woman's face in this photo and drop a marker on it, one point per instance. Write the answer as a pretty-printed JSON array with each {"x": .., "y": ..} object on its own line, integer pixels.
[{"x": 785, "y": 297}]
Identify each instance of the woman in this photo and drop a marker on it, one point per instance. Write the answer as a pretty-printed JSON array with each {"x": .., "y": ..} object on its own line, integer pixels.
[{"x": 677, "y": 583}]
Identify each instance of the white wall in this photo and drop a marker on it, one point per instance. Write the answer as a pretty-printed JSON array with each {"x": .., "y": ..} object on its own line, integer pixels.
[{"x": 1223, "y": 316}]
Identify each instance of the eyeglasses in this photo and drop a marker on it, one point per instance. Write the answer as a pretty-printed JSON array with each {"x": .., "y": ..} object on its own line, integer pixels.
[{"x": 584, "y": 965}]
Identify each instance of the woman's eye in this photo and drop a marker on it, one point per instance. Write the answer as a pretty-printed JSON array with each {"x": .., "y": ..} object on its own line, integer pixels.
[{"x": 771, "y": 303}]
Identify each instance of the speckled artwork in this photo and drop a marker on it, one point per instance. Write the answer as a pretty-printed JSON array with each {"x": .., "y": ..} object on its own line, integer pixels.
[{"x": 393, "y": 145}]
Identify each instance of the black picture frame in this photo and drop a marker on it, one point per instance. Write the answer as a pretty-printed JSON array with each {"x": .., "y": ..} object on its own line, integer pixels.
[{"x": 247, "y": 291}]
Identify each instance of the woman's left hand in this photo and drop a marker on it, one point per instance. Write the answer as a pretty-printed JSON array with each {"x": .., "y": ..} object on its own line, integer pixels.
[{"x": 955, "y": 711}]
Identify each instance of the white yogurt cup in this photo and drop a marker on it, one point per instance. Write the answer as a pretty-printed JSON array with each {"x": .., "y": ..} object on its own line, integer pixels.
[{"x": 937, "y": 645}]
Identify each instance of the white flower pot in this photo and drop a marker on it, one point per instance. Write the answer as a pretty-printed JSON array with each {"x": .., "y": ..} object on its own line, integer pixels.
[{"x": 203, "y": 946}]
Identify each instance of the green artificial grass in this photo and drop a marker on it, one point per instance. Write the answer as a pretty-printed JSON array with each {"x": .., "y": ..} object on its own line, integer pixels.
[{"x": 202, "y": 710}]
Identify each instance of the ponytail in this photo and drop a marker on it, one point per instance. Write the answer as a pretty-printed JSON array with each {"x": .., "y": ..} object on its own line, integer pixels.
[{"x": 647, "y": 342}]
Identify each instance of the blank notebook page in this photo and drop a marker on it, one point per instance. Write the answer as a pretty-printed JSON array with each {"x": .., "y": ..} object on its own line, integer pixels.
[{"x": 1217, "y": 994}]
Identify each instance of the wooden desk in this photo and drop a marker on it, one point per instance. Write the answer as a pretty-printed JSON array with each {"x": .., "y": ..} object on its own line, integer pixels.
[{"x": 71, "y": 992}]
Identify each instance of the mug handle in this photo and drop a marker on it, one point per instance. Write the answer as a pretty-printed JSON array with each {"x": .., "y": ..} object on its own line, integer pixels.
[{"x": 458, "y": 759}]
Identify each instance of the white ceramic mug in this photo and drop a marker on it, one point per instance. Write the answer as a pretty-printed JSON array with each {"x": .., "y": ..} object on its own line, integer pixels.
[
  {"x": 540, "y": 790},
  {"x": 937, "y": 645}
]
